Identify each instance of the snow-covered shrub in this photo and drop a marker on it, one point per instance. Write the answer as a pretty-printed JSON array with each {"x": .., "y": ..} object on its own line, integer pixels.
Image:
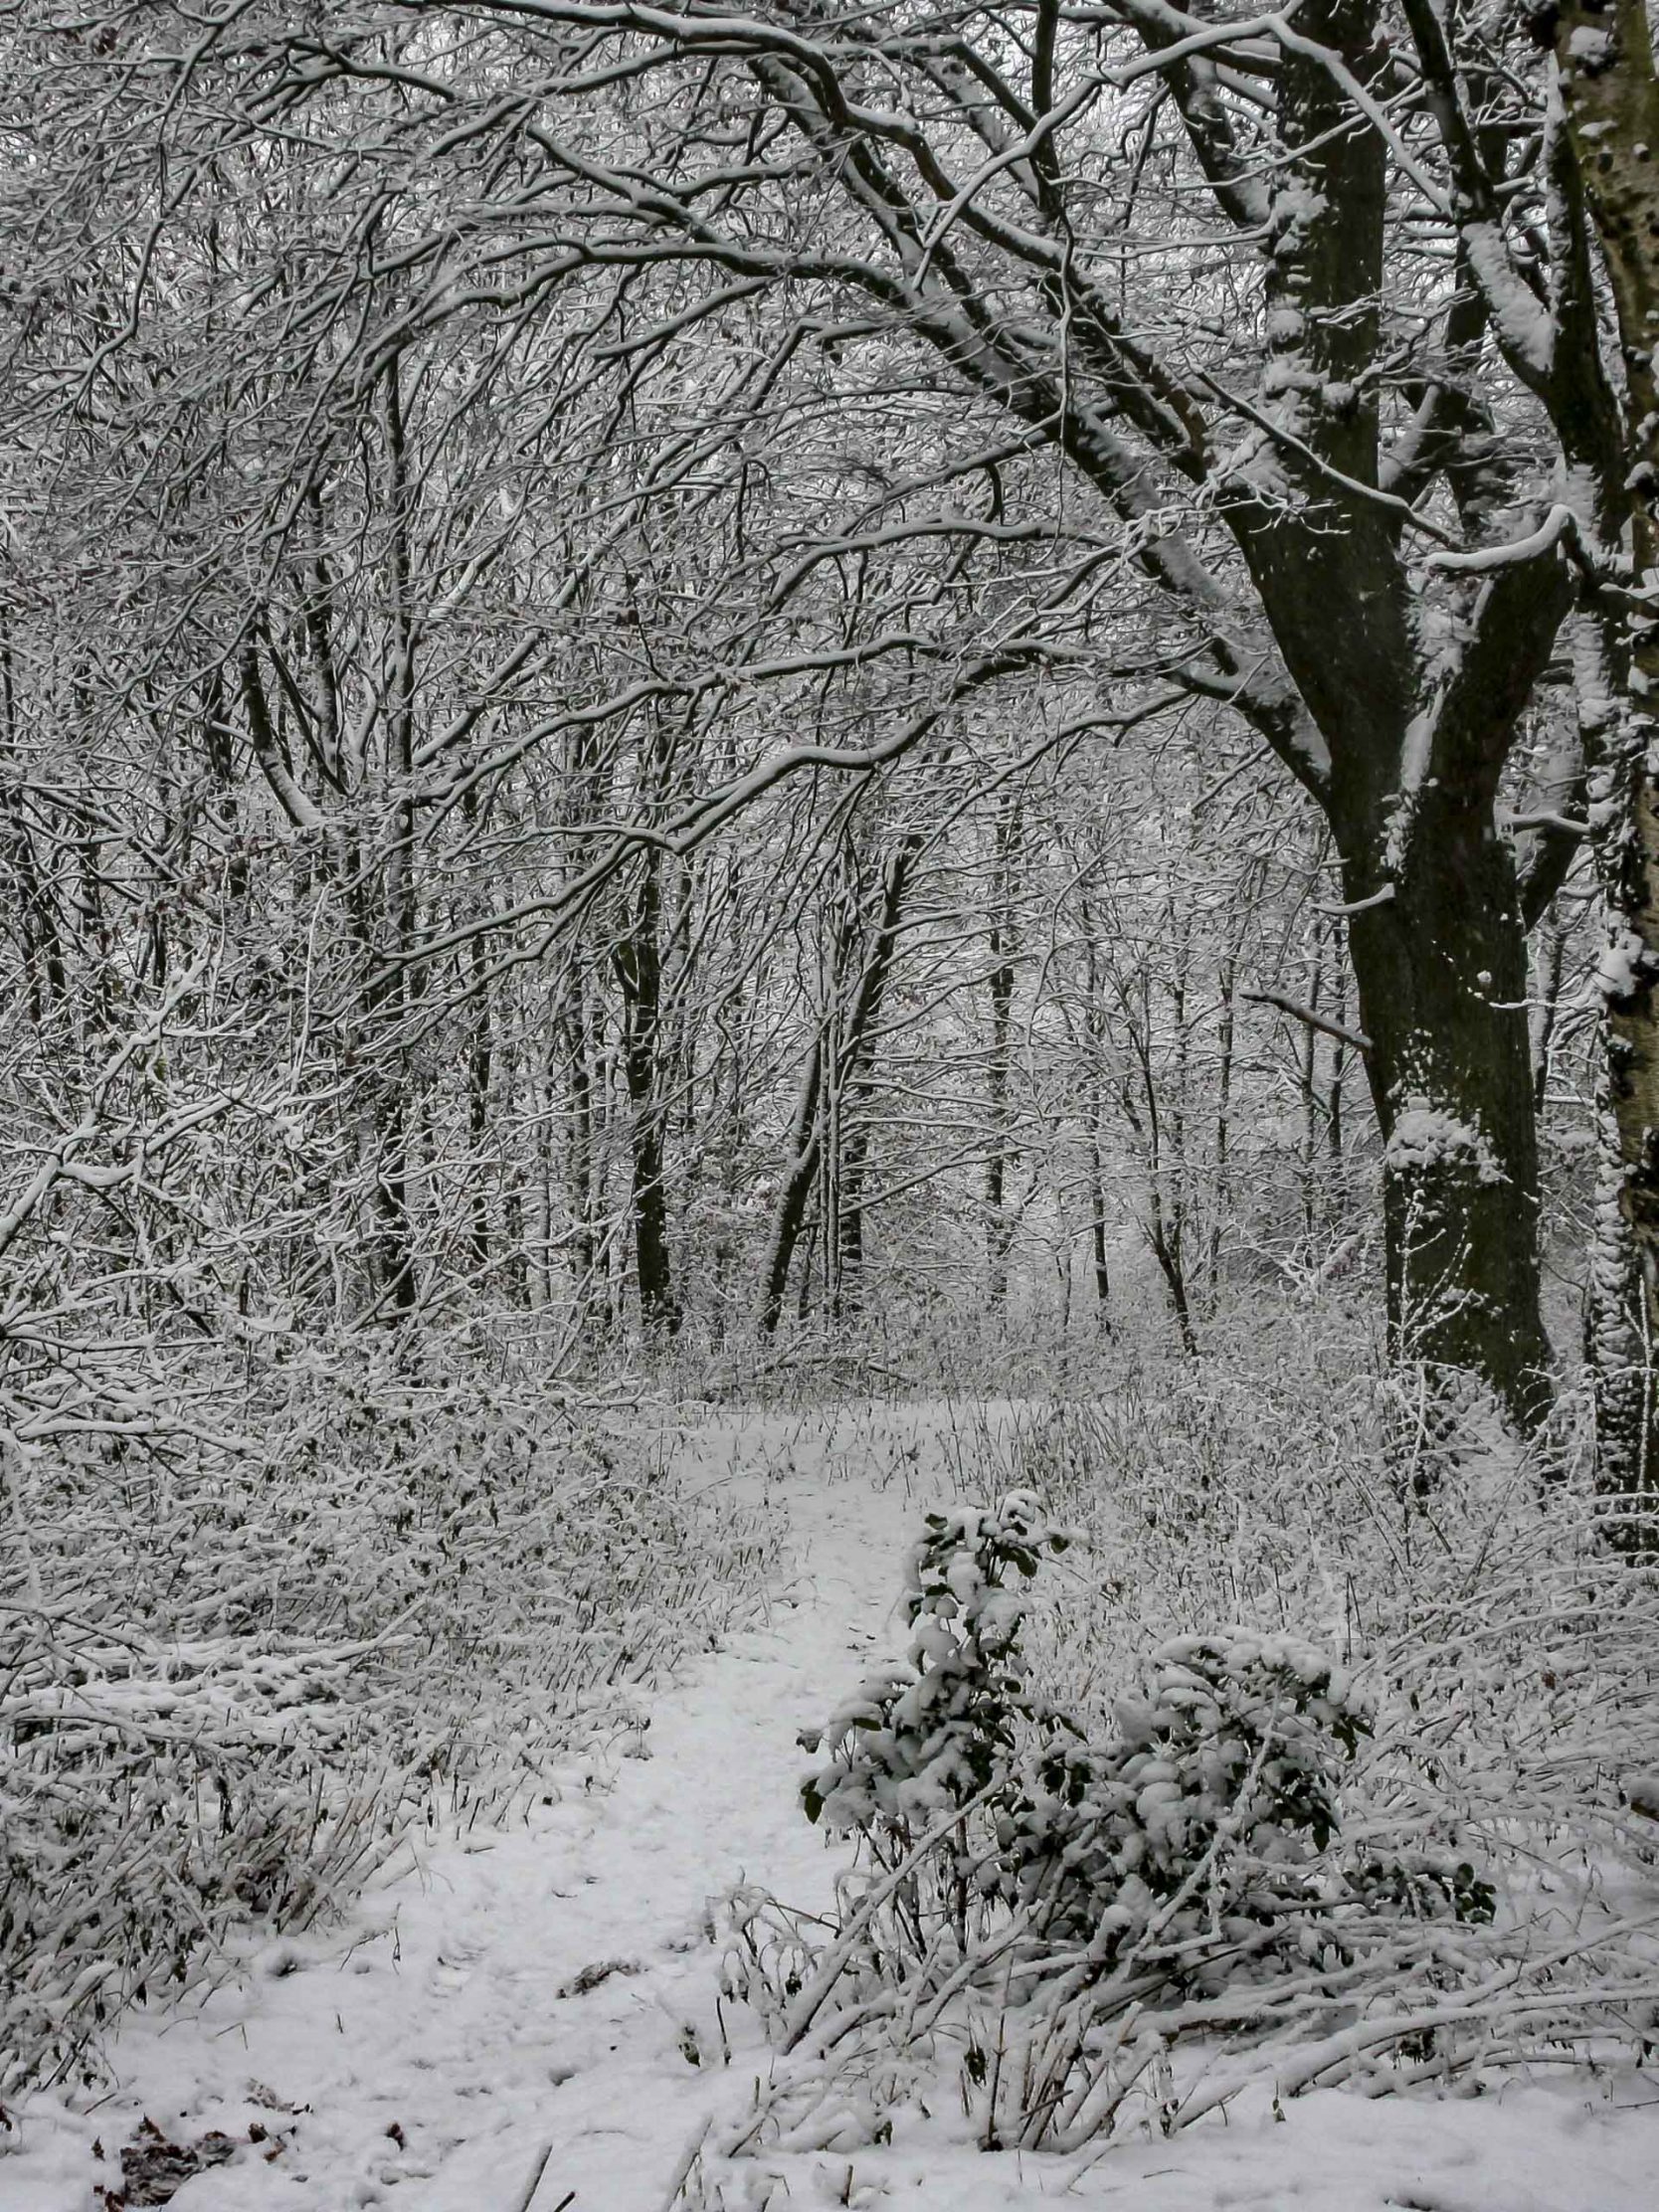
[
  {"x": 1507, "y": 1661},
  {"x": 1209, "y": 1811},
  {"x": 1385, "y": 1830},
  {"x": 919, "y": 1741},
  {"x": 1198, "y": 1836}
]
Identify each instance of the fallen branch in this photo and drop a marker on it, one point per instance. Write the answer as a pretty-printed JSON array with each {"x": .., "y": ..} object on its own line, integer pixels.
[{"x": 525, "y": 2202}]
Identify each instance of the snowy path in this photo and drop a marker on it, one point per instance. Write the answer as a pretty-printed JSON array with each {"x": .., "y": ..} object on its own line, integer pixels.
[
  {"x": 445, "y": 2050},
  {"x": 442, "y": 2057}
]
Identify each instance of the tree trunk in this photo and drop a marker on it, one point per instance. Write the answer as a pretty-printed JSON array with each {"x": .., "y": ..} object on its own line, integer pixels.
[
  {"x": 391, "y": 931},
  {"x": 1163, "y": 1226},
  {"x": 1223, "y": 1117},
  {"x": 1415, "y": 749},
  {"x": 1441, "y": 971},
  {"x": 1551, "y": 959},
  {"x": 481, "y": 1067},
  {"x": 1168, "y": 1256},
  {"x": 799, "y": 1179},
  {"x": 1611, "y": 98},
  {"x": 849, "y": 1227},
  {"x": 839, "y": 1057},
  {"x": 640, "y": 969},
  {"x": 1310, "y": 1095},
  {"x": 998, "y": 1228},
  {"x": 1097, "y": 1231}
]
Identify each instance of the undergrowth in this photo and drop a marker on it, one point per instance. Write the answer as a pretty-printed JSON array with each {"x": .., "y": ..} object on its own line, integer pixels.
[
  {"x": 231, "y": 1679},
  {"x": 1306, "y": 1762}
]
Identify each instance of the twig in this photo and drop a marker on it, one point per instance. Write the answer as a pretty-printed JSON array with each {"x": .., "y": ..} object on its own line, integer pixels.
[
  {"x": 527, "y": 2197},
  {"x": 689, "y": 2159}
]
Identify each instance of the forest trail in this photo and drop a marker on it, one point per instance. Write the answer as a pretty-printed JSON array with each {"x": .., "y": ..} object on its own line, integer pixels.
[
  {"x": 542, "y": 2002},
  {"x": 547, "y": 1991}
]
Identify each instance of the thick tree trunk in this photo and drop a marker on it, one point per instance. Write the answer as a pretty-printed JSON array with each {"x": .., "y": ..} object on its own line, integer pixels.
[
  {"x": 1441, "y": 970},
  {"x": 1417, "y": 742},
  {"x": 1610, "y": 94}
]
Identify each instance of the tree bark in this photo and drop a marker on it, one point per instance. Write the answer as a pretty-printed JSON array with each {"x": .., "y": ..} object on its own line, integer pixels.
[
  {"x": 1441, "y": 972},
  {"x": 638, "y": 965},
  {"x": 799, "y": 1176},
  {"x": 1098, "y": 1232},
  {"x": 998, "y": 1227},
  {"x": 838, "y": 1056},
  {"x": 1610, "y": 94}
]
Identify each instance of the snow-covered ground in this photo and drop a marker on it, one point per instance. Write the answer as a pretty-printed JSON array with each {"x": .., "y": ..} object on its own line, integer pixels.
[{"x": 532, "y": 2018}]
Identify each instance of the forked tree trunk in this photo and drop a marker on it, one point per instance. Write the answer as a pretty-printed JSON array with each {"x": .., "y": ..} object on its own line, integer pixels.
[
  {"x": 1415, "y": 743},
  {"x": 830, "y": 1075}
]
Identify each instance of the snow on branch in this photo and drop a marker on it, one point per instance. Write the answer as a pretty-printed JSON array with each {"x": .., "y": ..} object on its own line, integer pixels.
[
  {"x": 1389, "y": 502},
  {"x": 1560, "y": 524},
  {"x": 1343, "y": 1034},
  {"x": 1278, "y": 27},
  {"x": 1080, "y": 98},
  {"x": 1201, "y": 41},
  {"x": 1384, "y": 897}
]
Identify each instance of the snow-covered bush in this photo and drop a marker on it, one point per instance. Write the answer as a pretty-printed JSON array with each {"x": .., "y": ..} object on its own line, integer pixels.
[
  {"x": 1505, "y": 1659},
  {"x": 1387, "y": 1829},
  {"x": 917, "y": 1743},
  {"x": 1200, "y": 1836},
  {"x": 1210, "y": 1813}
]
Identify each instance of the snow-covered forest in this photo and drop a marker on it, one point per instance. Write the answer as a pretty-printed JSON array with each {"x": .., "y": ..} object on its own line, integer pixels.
[{"x": 829, "y": 1081}]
